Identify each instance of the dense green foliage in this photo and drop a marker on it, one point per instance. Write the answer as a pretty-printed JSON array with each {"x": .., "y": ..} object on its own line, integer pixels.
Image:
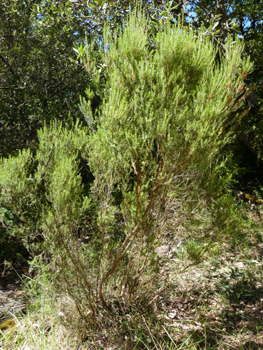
[
  {"x": 219, "y": 19},
  {"x": 228, "y": 17},
  {"x": 39, "y": 82},
  {"x": 156, "y": 138},
  {"x": 123, "y": 129}
]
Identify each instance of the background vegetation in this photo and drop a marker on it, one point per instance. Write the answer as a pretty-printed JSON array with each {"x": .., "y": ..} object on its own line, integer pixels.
[{"x": 130, "y": 174}]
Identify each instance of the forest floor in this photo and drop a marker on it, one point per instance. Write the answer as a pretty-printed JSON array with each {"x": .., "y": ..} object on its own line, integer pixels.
[
  {"x": 216, "y": 304},
  {"x": 12, "y": 294}
]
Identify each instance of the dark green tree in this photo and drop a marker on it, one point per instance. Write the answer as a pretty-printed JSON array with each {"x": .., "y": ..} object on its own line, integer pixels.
[{"x": 39, "y": 82}]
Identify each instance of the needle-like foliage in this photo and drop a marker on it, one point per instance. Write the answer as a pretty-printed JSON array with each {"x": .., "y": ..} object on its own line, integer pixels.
[{"x": 154, "y": 145}]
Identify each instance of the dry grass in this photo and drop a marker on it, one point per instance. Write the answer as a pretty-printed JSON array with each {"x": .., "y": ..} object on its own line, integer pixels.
[{"x": 216, "y": 303}]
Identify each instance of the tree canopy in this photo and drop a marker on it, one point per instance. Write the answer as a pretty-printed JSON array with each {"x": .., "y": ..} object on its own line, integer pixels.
[{"x": 39, "y": 82}]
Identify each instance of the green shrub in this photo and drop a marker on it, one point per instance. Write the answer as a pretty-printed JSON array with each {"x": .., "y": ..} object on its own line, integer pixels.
[
  {"x": 158, "y": 137},
  {"x": 153, "y": 146}
]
